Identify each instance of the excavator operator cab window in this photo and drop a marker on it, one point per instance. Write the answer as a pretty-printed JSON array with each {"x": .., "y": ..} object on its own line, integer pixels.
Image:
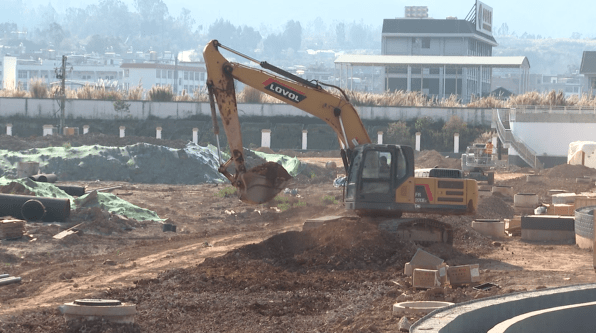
[{"x": 376, "y": 172}]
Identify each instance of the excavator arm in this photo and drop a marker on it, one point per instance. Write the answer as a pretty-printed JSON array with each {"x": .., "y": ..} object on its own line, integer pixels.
[{"x": 263, "y": 182}]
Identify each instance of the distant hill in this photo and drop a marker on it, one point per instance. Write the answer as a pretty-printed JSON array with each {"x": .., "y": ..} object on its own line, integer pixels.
[{"x": 546, "y": 56}]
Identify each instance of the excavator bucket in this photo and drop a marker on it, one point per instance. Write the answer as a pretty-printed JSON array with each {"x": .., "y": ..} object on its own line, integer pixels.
[{"x": 263, "y": 182}]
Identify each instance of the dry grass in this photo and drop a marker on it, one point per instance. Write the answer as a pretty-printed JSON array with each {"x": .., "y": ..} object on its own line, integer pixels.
[
  {"x": 104, "y": 91},
  {"x": 136, "y": 93},
  {"x": 250, "y": 95},
  {"x": 161, "y": 94}
]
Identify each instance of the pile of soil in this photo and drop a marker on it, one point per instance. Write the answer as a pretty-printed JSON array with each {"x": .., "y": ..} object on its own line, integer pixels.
[
  {"x": 432, "y": 158},
  {"x": 569, "y": 171},
  {"x": 16, "y": 188},
  {"x": 494, "y": 207},
  {"x": 101, "y": 222},
  {"x": 15, "y": 143}
]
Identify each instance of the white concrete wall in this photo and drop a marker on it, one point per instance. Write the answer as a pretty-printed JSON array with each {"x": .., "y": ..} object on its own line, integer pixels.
[
  {"x": 553, "y": 139},
  {"x": 95, "y": 109}
]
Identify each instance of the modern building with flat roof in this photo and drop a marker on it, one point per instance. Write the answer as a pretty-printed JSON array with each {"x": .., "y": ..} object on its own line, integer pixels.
[{"x": 438, "y": 57}]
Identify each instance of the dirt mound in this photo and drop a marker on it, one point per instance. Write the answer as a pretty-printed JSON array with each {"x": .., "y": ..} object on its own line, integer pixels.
[
  {"x": 432, "y": 158},
  {"x": 101, "y": 222},
  {"x": 16, "y": 188},
  {"x": 335, "y": 246},
  {"x": 569, "y": 171},
  {"x": 15, "y": 143},
  {"x": 493, "y": 207}
]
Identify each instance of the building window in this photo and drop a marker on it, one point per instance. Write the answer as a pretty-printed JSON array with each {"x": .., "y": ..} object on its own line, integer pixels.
[
  {"x": 186, "y": 76},
  {"x": 164, "y": 74},
  {"x": 193, "y": 76},
  {"x": 170, "y": 74},
  {"x": 126, "y": 73},
  {"x": 157, "y": 73},
  {"x": 426, "y": 43},
  {"x": 202, "y": 76},
  {"x": 22, "y": 74},
  {"x": 186, "y": 88}
]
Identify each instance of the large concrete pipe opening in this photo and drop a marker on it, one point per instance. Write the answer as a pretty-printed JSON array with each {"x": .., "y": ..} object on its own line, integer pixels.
[{"x": 484, "y": 314}]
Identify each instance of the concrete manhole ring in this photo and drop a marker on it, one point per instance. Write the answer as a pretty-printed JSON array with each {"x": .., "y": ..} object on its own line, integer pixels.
[
  {"x": 97, "y": 302},
  {"x": 418, "y": 307}
]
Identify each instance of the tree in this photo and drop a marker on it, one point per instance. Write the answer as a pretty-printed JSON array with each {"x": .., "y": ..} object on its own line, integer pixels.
[
  {"x": 293, "y": 34},
  {"x": 274, "y": 44},
  {"x": 152, "y": 10},
  {"x": 503, "y": 30},
  {"x": 224, "y": 31},
  {"x": 576, "y": 35},
  {"x": 340, "y": 34},
  {"x": 358, "y": 35}
]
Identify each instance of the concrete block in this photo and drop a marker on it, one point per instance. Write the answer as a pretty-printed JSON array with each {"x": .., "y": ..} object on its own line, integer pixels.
[
  {"x": 533, "y": 178},
  {"x": 423, "y": 259},
  {"x": 493, "y": 228},
  {"x": 561, "y": 209},
  {"x": 581, "y": 202},
  {"x": 565, "y": 198},
  {"x": 425, "y": 278},
  {"x": 319, "y": 221},
  {"x": 548, "y": 228},
  {"x": 526, "y": 200},
  {"x": 463, "y": 274}
]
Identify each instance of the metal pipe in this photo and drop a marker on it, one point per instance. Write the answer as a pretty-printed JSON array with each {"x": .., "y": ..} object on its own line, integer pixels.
[
  {"x": 33, "y": 210},
  {"x": 9, "y": 280},
  {"x": 75, "y": 191},
  {"x": 44, "y": 178},
  {"x": 2, "y": 276},
  {"x": 57, "y": 210}
]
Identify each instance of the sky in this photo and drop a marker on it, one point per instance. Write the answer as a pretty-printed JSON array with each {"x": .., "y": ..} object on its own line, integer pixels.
[{"x": 546, "y": 18}]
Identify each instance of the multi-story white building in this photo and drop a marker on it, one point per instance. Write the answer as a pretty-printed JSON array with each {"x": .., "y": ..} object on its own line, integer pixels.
[
  {"x": 183, "y": 76},
  {"x": 80, "y": 70}
]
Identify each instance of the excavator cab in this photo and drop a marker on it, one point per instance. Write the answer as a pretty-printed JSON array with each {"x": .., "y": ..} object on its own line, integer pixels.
[{"x": 375, "y": 172}]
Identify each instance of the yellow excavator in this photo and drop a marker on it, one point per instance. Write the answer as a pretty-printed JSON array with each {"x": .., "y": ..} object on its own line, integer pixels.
[{"x": 381, "y": 182}]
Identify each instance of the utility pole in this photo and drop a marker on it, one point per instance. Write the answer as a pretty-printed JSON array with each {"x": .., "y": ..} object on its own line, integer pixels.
[{"x": 62, "y": 76}]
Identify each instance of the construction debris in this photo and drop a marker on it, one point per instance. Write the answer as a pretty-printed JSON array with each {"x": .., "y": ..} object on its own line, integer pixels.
[
  {"x": 464, "y": 274},
  {"x": 11, "y": 228}
]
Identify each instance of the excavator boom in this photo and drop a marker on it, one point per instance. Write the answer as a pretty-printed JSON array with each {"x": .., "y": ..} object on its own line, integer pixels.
[{"x": 262, "y": 183}]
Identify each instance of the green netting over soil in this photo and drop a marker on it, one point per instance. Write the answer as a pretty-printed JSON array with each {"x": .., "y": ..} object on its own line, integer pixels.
[
  {"x": 105, "y": 201},
  {"x": 139, "y": 163},
  {"x": 291, "y": 164}
]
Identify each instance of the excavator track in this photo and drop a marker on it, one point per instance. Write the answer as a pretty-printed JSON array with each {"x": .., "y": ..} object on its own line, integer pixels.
[{"x": 419, "y": 230}]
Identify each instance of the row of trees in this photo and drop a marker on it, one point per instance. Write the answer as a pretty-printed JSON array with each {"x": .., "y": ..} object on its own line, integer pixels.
[{"x": 109, "y": 25}]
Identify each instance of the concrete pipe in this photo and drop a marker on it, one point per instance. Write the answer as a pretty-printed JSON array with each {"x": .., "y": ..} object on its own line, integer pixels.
[
  {"x": 75, "y": 191},
  {"x": 44, "y": 178},
  {"x": 33, "y": 210},
  {"x": 584, "y": 227},
  {"x": 526, "y": 200},
  {"x": 57, "y": 210}
]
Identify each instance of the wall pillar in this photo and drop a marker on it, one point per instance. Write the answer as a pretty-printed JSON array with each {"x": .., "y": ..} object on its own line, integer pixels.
[
  {"x": 9, "y": 129},
  {"x": 266, "y": 138},
  {"x": 304, "y": 139},
  {"x": 122, "y": 131},
  {"x": 380, "y": 137},
  {"x": 495, "y": 141},
  {"x": 85, "y": 129},
  {"x": 48, "y": 130},
  {"x": 158, "y": 132},
  {"x": 456, "y": 143},
  {"x": 195, "y": 136},
  {"x": 418, "y": 141}
]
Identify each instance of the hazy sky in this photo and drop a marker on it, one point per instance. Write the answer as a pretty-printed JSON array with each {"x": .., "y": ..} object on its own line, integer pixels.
[{"x": 547, "y": 17}]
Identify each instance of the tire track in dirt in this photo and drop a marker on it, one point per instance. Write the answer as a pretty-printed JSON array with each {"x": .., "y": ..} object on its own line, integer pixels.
[{"x": 99, "y": 277}]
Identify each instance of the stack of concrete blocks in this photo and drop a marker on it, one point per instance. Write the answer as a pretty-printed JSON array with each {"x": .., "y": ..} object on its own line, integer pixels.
[
  {"x": 548, "y": 228},
  {"x": 429, "y": 271},
  {"x": 513, "y": 226},
  {"x": 525, "y": 203}
]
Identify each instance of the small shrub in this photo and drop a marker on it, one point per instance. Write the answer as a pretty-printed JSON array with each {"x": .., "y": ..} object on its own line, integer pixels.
[
  {"x": 226, "y": 192},
  {"x": 38, "y": 89},
  {"x": 329, "y": 200},
  {"x": 136, "y": 93}
]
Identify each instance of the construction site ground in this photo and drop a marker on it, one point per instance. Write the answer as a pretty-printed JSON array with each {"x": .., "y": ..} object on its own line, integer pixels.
[{"x": 233, "y": 267}]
